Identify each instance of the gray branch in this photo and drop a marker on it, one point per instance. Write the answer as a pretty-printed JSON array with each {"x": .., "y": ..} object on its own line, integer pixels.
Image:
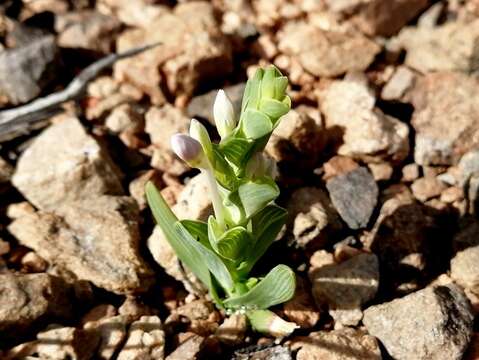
[{"x": 20, "y": 120}]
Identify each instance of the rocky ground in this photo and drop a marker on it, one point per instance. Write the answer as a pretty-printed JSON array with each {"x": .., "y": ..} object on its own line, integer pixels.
[{"x": 379, "y": 169}]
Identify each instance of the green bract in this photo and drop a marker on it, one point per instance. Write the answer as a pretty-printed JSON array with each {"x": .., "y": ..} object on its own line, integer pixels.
[{"x": 223, "y": 251}]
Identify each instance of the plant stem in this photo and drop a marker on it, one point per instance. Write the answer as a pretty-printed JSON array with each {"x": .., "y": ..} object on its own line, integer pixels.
[{"x": 215, "y": 197}]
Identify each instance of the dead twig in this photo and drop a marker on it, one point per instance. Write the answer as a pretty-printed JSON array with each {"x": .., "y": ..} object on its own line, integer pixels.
[{"x": 20, "y": 120}]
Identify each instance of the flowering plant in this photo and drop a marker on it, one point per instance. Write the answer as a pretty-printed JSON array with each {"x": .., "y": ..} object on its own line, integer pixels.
[{"x": 223, "y": 251}]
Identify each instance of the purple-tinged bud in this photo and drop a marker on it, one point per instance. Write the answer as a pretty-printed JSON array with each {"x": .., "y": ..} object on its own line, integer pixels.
[{"x": 188, "y": 149}]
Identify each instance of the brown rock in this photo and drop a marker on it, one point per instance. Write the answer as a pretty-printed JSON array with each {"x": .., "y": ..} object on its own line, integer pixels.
[
  {"x": 27, "y": 301},
  {"x": 67, "y": 343},
  {"x": 81, "y": 169},
  {"x": 426, "y": 188},
  {"x": 139, "y": 13},
  {"x": 146, "y": 340},
  {"x": 95, "y": 240},
  {"x": 124, "y": 117},
  {"x": 99, "y": 312},
  {"x": 87, "y": 29},
  {"x": 452, "y": 194},
  {"x": 6, "y": 172},
  {"x": 449, "y": 47},
  {"x": 438, "y": 324},
  {"x": 473, "y": 350},
  {"x": 137, "y": 186},
  {"x": 342, "y": 344},
  {"x": 195, "y": 310},
  {"x": 4, "y": 247},
  {"x": 438, "y": 98},
  {"x": 192, "y": 50},
  {"x": 167, "y": 162},
  {"x": 381, "y": 171},
  {"x": 346, "y": 287},
  {"x": 338, "y": 165},
  {"x": 312, "y": 217},
  {"x": 163, "y": 122},
  {"x": 133, "y": 309},
  {"x": 301, "y": 309},
  {"x": 410, "y": 172},
  {"x": 299, "y": 138},
  {"x": 33, "y": 262},
  {"x": 326, "y": 53},
  {"x": 188, "y": 349},
  {"x": 367, "y": 133}
]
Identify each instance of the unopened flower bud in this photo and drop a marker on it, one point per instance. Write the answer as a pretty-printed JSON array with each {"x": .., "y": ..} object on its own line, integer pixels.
[
  {"x": 224, "y": 114},
  {"x": 188, "y": 149}
]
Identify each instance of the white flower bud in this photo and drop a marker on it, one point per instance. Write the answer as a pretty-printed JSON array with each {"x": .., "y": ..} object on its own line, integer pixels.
[
  {"x": 224, "y": 115},
  {"x": 188, "y": 149}
]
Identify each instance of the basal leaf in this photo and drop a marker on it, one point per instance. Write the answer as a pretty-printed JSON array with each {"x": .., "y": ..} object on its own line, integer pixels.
[
  {"x": 277, "y": 287},
  {"x": 199, "y": 259},
  {"x": 265, "y": 226},
  {"x": 255, "y": 124},
  {"x": 254, "y": 195}
]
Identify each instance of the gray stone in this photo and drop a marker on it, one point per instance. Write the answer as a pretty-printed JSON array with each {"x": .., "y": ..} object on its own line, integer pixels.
[
  {"x": 94, "y": 239},
  {"x": 65, "y": 164},
  {"x": 354, "y": 195},
  {"x": 276, "y": 352},
  {"x": 345, "y": 287},
  {"x": 25, "y": 71},
  {"x": 202, "y": 105},
  {"x": 433, "y": 323},
  {"x": 30, "y": 300}
]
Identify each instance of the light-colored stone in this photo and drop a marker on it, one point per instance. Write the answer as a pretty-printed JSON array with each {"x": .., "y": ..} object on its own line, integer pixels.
[
  {"x": 438, "y": 324},
  {"x": 367, "y": 133},
  {"x": 338, "y": 165},
  {"x": 381, "y": 171},
  {"x": 311, "y": 217},
  {"x": 64, "y": 164},
  {"x": 233, "y": 330},
  {"x": 95, "y": 240},
  {"x": 426, "y": 188},
  {"x": 33, "y": 262},
  {"x": 145, "y": 340},
  {"x": 124, "y": 118},
  {"x": 137, "y": 186},
  {"x": 410, "y": 172},
  {"x": 188, "y": 349},
  {"x": 445, "y": 117},
  {"x": 112, "y": 331},
  {"x": 28, "y": 300},
  {"x": 343, "y": 344},
  {"x": 449, "y": 47},
  {"x": 326, "y": 53},
  {"x": 345, "y": 287},
  {"x": 398, "y": 85},
  {"x": 163, "y": 122},
  {"x": 67, "y": 343},
  {"x": 301, "y": 308}
]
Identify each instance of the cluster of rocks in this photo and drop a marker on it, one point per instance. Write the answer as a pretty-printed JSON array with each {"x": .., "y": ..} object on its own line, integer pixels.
[{"x": 378, "y": 164}]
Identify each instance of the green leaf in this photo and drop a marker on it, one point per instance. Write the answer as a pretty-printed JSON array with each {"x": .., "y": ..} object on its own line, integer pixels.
[
  {"x": 224, "y": 173},
  {"x": 236, "y": 150},
  {"x": 252, "y": 91},
  {"x": 255, "y": 124},
  {"x": 277, "y": 287},
  {"x": 265, "y": 225},
  {"x": 273, "y": 108},
  {"x": 280, "y": 85},
  {"x": 197, "y": 229},
  {"x": 267, "y": 83},
  {"x": 232, "y": 243},
  {"x": 254, "y": 195},
  {"x": 214, "y": 232},
  {"x": 199, "y": 259}
]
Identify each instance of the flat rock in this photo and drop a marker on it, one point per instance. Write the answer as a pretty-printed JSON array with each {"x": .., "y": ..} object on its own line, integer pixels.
[
  {"x": 95, "y": 240},
  {"x": 146, "y": 340},
  {"x": 445, "y": 117},
  {"x": 345, "y": 287},
  {"x": 464, "y": 264},
  {"x": 28, "y": 301},
  {"x": 326, "y": 53},
  {"x": 426, "y": 188},
  {"x": 363, "y": 131},
  {"x": 354, "y": 195},
  {"x": 89, "y": 30},
  {"x": 433, "y": 323},
  {"x": 67, "y": 343},
  {"x": 64, "y": 164},
  {"x": 188, "y": 349},
  {"x": 398, "y": 85},
  {"x": 26, "y": 70},
  {"x": 112, "y": 331},
  {"x": 311, "y": 217},
  {"x": 449, "y": 47},
  {"x": 192, "y": 50},
  {"x": 233, "y": 330},
  {"x": 342, "y": 344}
]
